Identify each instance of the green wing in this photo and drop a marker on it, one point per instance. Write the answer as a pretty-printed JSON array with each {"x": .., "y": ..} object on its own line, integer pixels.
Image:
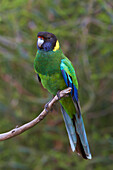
[
  {"x": 78, "y": 140},
  {"x": 69, "y": 76}
]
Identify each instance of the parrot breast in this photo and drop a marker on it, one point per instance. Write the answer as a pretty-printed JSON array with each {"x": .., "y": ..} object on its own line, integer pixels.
[{"x": 47, "y": 65}]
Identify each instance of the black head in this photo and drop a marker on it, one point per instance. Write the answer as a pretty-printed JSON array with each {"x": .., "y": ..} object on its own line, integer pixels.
[{"x": 46, "y": 41}]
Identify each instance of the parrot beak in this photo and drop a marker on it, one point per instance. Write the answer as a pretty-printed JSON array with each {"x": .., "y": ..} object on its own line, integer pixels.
[{"x": 40, "y": 41}]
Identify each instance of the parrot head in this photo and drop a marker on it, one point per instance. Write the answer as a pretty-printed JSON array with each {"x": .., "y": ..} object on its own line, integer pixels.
[{"x": 47, "y": 42}]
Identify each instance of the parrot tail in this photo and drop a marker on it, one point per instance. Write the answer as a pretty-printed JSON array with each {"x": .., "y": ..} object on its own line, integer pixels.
[{"x": 77, "y": 135}]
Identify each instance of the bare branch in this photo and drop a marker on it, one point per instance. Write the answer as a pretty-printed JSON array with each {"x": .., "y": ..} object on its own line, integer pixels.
[{"x": 18, "y": 130}]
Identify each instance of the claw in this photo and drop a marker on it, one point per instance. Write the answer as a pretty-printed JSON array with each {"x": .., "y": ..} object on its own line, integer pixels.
[
  {"x": 58, "y": 95},
  {"x": 46, "y": 107}
]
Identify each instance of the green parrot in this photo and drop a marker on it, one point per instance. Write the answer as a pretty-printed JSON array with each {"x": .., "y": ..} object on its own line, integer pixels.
[{"x": 56, "y": 72}]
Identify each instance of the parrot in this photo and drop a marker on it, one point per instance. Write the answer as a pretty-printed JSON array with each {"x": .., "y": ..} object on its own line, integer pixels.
[{"x": 56, "y": 72}]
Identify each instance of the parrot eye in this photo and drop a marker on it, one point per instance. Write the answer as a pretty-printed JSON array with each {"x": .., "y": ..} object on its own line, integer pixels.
[{"x": 48, "y": 38}]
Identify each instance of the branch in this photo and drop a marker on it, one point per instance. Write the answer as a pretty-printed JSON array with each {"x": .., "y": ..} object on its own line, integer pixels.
[{"x": 18, "y": 130}]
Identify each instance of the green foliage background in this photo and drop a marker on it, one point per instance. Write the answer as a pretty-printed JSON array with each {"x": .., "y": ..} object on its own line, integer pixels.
[{"x": 85, "y": 32}]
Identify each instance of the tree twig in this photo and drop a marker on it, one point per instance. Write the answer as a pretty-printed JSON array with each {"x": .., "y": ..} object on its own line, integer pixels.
[{"x": 18, "y": 130}]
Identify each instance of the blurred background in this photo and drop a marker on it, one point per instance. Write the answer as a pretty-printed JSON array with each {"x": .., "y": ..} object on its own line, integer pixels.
[{"x": 85, "y": 32}]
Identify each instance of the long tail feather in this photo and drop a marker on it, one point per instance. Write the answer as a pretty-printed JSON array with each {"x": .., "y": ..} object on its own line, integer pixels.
[
  {"x": 77, "y": 134},
  {"x": 83, "y": 146},
  {"x": 70, "y": 129}
]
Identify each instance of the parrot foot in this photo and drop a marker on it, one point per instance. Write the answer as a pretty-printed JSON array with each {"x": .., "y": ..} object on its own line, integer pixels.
[
  {"x": 46, "y": 107},
  {"x": 58, "y": 95}
]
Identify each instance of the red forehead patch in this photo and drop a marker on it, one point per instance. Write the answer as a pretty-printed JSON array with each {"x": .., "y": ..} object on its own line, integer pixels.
[{"x": 40, "y": 37}]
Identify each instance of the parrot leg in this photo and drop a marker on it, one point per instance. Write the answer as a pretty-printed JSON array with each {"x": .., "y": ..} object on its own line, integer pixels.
[
  {"x": 58, "y": 95},
  {"x": 47, "y": 108},
  {"x": 46, "y": 105}
]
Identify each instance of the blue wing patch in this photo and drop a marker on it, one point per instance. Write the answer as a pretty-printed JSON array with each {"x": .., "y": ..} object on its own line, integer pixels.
[{"x": 69, "y": 83}]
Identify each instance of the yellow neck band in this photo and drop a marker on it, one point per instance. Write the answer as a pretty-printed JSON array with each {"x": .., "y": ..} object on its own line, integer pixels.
[{"x": 57, "y": 46}]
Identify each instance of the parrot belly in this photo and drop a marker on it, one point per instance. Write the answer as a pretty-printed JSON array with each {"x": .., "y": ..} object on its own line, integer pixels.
[{"x": 53, "y": 84}]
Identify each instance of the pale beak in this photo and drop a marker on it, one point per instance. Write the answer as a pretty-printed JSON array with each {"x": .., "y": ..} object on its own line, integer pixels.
[{"x": 40, "y": 41}]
